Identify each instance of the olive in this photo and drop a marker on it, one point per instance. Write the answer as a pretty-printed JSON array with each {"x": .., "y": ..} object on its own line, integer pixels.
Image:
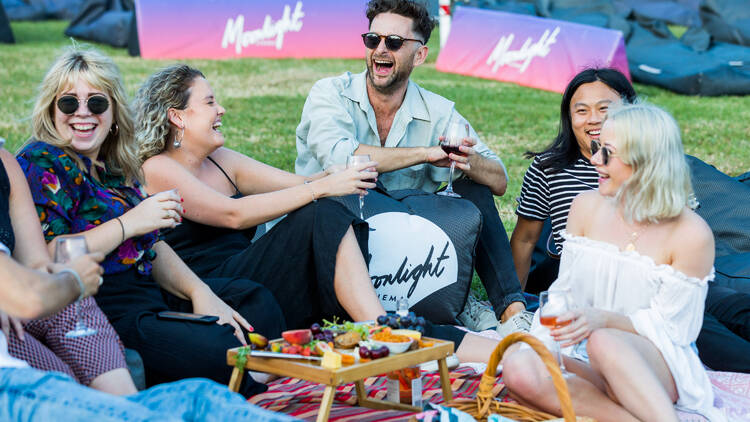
[
  {"x": 378, "y": 353},
  {"x": 384, "y": 351}
]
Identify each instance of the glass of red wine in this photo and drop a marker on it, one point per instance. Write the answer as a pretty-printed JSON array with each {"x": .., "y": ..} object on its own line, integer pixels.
[
  {"x": 452, "y": 139},
  {"x": 553, "y": 303},
  {"x": 352, "y": 161},
  {"x": 66, "y": 250}
]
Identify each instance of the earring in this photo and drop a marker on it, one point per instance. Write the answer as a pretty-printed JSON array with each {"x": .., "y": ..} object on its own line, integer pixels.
[
  {"x": 178, "y": 142},
  {"x": 114, "y": 129}
]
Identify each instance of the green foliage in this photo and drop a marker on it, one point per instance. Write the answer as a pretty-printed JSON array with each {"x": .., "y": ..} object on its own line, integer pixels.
[{"x": 264, "y": 99}]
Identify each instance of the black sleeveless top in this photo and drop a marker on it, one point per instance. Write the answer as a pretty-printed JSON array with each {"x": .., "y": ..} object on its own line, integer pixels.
[
  {"x": 204, "y": 247},
  {"x": 6, "y": 229}
]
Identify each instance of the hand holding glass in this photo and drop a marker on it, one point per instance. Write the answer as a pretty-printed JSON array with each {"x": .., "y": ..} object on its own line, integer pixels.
[
  {"x": 352, "y": 161},
  {"x": 453, "y": 137},
  {"x": 66, "y": 250},
  {"x": 552, "y": 304}
]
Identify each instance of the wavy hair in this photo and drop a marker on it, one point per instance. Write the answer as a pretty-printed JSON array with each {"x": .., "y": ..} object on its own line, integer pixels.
[
  {"x": 87, "y": 64},
  {"x": 650, "y": 143},
  {"x": 165, "y": 89}
]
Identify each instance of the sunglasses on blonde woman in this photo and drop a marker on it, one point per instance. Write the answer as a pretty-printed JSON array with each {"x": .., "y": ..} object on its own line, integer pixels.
[
  {"x": 606, "y": 152},
  {"x": 392, "y": 42},
  {"x": 97, "y": 104}
]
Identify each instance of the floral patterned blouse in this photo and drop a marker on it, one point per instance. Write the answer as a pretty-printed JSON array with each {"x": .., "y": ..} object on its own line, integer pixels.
[{"x": 69, "y": 200}]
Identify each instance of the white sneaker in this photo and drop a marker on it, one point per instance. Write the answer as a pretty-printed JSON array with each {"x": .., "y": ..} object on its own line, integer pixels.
[
  {"x": 518, "y": 322},
  {"x": 477, "y": 316}
]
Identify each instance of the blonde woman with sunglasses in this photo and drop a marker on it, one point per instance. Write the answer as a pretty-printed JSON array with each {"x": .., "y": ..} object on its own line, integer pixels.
[{"x": 637, "y": 284}]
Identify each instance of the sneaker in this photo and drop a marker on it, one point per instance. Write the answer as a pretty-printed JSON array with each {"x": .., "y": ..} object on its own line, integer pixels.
[
  {"x": 477, "y": 316},
  {"x": 518, "y": 322}
]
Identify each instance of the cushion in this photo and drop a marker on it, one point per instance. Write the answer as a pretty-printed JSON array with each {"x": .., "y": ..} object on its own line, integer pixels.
[{"x": 421, "y": 248}]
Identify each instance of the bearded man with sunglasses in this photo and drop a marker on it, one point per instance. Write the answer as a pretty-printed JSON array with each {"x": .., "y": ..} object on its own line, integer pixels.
[{"x": 381, "y": 112}]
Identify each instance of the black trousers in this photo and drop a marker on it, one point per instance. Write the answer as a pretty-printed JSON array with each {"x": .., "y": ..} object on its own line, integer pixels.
[
  {"x": 173, "y": 350},
  {"x": 724, "y": 340},
  {"x": 494, "y": 261}
]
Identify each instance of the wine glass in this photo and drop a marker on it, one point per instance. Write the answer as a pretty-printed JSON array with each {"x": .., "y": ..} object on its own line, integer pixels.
[
  {"x": 66, "y": 250},
  {"x": 454, "y": 134},
  {"x": 352, "y": 161},
  {"x": 552, "y": 304}
]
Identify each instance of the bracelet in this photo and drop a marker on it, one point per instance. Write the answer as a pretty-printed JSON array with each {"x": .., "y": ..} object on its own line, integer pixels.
[
  {"x": 77, "y": 278},
  {"x": 312, "y": 191},
  {"x": 122, "y": 228}
]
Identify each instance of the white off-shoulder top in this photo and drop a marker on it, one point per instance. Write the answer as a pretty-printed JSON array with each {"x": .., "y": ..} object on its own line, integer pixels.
[{"x": 664, "y": 305}]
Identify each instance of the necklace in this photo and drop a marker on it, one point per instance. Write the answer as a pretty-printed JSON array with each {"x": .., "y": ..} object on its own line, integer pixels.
[{"x": 634, "y": 235}]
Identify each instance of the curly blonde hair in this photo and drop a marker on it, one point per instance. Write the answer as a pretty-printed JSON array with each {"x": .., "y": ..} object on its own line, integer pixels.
[
  {"x": 89, "y": 65},
  {"x": 660, "y": 185},
  {"x": 165, "y": 89}
]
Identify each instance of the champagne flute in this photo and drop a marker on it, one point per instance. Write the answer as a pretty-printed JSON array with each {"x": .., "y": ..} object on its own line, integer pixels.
[
  {"x": 66, "y": 250},
  {"x": 453, "y": 137},
  {"x": 552, "y": 304},
  {"x": 352, "y": 161}
]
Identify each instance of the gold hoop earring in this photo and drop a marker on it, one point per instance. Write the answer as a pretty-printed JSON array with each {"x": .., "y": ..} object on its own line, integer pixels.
[{"x": 178, "y": 142}]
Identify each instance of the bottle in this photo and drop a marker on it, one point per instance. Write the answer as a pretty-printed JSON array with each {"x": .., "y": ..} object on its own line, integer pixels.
[
  {"x": 402, "y": 307},
  {"x": 405, "y": 386}
]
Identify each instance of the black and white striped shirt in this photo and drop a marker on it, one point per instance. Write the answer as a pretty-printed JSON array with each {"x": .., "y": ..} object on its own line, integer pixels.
[{"x": 547, "y": 194}]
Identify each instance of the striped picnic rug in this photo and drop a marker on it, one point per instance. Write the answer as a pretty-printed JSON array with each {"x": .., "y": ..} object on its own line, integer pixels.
[{"x": 301, "y": 399}]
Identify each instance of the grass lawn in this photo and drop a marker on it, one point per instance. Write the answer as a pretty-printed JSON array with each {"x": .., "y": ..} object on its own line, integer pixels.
[{"x": 264, "y": 100}]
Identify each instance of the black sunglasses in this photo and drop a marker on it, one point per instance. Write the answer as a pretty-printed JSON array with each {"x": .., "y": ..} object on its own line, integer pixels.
[
  {"x": 392, "y": 42},
  {"x": 96, "y": 104},
  {"x": 606, "y": 152}
]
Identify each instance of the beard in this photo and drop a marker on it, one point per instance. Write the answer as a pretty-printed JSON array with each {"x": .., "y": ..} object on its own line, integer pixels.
[{"x": 397, "y": 79}]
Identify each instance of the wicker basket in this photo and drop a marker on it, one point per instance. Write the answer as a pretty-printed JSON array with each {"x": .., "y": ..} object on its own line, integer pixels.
[{"x": 485, "y": 403}]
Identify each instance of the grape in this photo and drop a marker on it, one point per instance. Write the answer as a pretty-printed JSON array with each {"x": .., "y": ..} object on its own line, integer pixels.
[
  {"x": 364, "y": 352},
  {"x": 382, "y": 319},
  {"x": 420, "y": 321},
  {"x": 407, "y": 321},
  {"x": 393, "y": 322},
  {"x": 315, "y": 328}
]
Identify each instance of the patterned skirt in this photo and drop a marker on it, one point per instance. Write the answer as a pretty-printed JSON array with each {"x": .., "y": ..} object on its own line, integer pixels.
[{"x": 84, "y": 358}]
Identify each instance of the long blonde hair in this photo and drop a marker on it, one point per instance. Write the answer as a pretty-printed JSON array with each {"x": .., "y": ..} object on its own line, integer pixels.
[
  {"x": 650, "y": 143},
  {"x": 99, "y": 71}
]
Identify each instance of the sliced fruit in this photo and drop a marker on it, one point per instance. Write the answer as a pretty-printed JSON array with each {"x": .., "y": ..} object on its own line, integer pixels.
[
  {"x": 258, "y": 340},
  {"x": 297, "y": 336}
]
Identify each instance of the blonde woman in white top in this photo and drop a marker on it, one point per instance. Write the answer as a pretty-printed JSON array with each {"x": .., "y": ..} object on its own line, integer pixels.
[{"x": 636, "y": 263}]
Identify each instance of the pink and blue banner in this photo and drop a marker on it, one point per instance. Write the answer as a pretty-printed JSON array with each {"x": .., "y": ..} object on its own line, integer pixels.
[
  {"x": 222, "y": 29},
  {"x": 527, "y": 50}
]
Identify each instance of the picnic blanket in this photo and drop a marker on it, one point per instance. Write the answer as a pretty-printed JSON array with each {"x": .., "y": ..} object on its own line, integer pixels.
[{"x": 301, "y": 399}]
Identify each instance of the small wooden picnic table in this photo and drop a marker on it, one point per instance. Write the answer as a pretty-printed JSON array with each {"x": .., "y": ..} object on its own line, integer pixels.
[{"x": 354, "y": 373}]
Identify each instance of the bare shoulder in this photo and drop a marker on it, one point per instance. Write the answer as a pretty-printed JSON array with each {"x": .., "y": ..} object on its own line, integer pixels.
[
  {"x": 160, "y": 164},
  {"x": 586, "y": 203},
  {"x": 584, "y": 206},
  {"x": 696, "y": 256}
]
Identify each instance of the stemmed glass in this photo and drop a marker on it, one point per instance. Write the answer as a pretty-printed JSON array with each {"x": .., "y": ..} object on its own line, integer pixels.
[
  {"x": 352, "y": 161},
  {"x": 66, "y": 250},
  {"x": 453, "y": 136},
  {"x": 552, "y": 304}
]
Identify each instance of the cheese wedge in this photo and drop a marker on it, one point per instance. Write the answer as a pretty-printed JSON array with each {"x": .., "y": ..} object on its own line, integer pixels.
[
  {"x": 331, "y": 360},
  {"x": 416, "y": 335}
]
